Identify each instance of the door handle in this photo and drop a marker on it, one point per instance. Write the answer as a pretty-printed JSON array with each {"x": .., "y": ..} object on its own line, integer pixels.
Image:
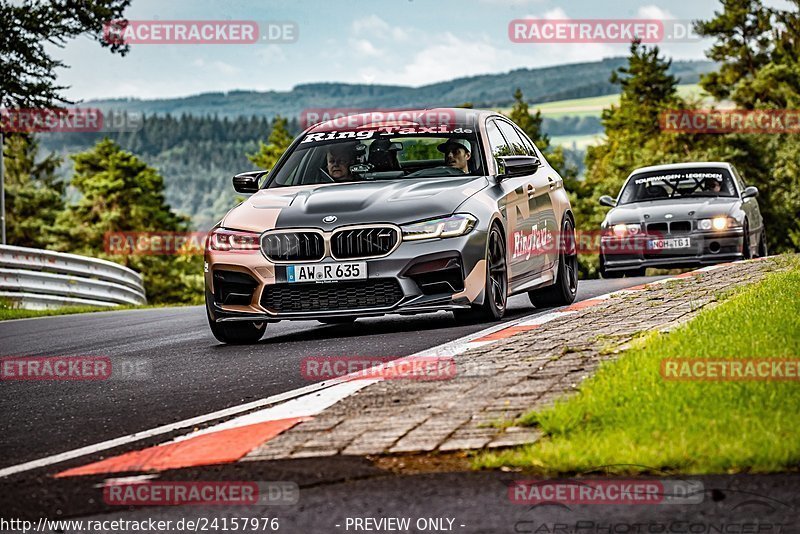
[
  {"x": 531, "y": 191},
  {"x": 551, "y": 182}
]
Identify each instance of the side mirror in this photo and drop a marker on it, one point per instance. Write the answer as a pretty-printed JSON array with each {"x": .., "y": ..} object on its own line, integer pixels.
[
  {"x": 247, "y": 182},
  {"x": 606, "y": 200},
  {"x": 511, "y": 166},
  {"x": 750, "y": 192}
]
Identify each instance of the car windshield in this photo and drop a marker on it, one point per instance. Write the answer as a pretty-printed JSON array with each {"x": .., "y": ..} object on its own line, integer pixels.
[
  {"x": 368, "y": 155},
  {"x": 678, "y": 183}
]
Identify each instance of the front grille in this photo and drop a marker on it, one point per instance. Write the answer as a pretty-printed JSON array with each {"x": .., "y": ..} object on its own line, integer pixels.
[
  {"x": 657, "y": 228},
  {"x": 377, "y": 293},
  {"x": 680, "y": 227},
  {"x": 293, "y": 246},
  {"x": 363, "y": 242},
  {"x": 673, "y": 227}
]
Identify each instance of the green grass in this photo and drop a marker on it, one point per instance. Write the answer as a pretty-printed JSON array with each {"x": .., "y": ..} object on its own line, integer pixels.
[
  {"x": 592, "y": 106},
  {"x": 8, "y": 312},
  {"x": 580, "y": 141},
  {"x": 627, "y": 414}
]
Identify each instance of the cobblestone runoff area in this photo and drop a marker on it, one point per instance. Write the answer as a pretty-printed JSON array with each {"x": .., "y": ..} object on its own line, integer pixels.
[{"x": 501, "y": 381}]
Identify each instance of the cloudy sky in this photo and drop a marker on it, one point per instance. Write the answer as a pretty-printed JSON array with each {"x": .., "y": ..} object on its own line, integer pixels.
[{"x": 404, "y": 42}]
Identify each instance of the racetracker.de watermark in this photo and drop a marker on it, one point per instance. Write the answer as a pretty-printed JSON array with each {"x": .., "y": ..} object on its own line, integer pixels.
[
  {"x": 349, "y": 118},
  {"x": 154, "y": 243},
  {"x": 169, "y": 493},
  {"x": 74, "y": 368},
  {"x": 613, "y": 492},
  {"x": 379, "y": 367},
  {"x": 68, "y": 120},
  {"x": 193, "y": 32},
  {"x": 542, "y": 31},
  {"x": 723, "y": 121},
  {"x": 731, "y": 369}
]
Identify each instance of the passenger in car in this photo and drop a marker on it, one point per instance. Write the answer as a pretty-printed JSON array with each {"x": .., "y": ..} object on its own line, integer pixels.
[
  {"x": 383, "y": 155},
  {"x": 457, "y": 153},
  {"x": 712, "y": 185}
]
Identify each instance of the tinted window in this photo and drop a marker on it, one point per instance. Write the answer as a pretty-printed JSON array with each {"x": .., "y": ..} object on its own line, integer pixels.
[
  {"x": 678, "y": 183},
  {"x": 739, "y": 180}
]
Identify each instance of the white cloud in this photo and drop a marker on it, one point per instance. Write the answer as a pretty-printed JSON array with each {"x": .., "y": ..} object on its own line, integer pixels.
[
  {"x": 271, "y": 54},
  {"x": 451, "y": 57},
  {"x": 654, "y": 12},
  {"x": 511, "y": 3},
  {"x": 218, "y": 66},
  {"x": 364, "y": 47},
  {"x": 374, "y": 26}
]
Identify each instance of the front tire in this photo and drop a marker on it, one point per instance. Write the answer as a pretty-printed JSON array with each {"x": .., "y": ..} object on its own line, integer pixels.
[
  {"x": 496, "y": 285},
  {"x": 566, "y": 286},
  {"x": 746, "y": 252},
  {"x": 762, "y": 245},
  {"x": 235, "y": 333}
]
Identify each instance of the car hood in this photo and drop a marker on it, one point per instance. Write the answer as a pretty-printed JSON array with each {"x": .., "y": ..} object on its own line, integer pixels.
[
  {"x": 680, "y": 209},
  {"x": 396, "y": 201}
]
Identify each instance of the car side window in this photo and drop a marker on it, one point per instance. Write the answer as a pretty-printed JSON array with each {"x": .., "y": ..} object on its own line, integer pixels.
[
  {"x": 739, "y": 179},
  {"x": 518, "y": 147},
  {"x": 532, "y": 150},
  {"x": 496, "y": 140}
]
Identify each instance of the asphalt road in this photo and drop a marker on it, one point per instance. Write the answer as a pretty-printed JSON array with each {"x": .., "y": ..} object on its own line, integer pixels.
[{"x": 192, "y": 374}]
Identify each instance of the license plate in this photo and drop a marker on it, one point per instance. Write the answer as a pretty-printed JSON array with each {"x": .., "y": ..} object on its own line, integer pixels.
[
  {"x": 326, "y": 272},
  {"x": 662, "y": 244}
]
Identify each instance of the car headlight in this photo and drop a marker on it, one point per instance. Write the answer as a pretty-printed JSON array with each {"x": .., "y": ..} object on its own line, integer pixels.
[
  {"x": 455, "y": 225},
  {"x": 717, "y": 223},
  {"x": 622, "y": 230},
  {"x": 233, "y": 240}
]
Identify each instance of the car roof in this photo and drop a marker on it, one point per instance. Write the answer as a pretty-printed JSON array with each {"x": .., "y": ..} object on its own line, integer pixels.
[
  {"x": 466, "y": 117},
  {"x": 686, "y": 165}
]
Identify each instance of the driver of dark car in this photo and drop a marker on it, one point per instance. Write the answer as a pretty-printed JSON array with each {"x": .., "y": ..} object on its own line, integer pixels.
[
  {"x": 457, "y": 153},
  {"x": 338, "y": 160}
]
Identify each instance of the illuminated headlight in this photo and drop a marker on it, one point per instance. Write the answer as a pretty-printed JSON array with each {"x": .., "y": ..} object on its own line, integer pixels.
[
  {"x": 621, "y": 230},
  {"x": 717, "y": 223},
  {"x": 232, "y": 240},
  {"x": 455, "y": 225}
]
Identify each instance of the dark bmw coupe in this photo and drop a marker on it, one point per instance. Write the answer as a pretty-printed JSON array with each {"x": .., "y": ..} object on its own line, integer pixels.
[{"x": 680, "y": 215}]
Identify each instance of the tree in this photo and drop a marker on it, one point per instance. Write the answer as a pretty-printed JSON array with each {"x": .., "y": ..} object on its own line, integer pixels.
[
  {"x": 29, "y": 78},
  {"x": 279, "y": 140},
  {"x": 742, "y": 48},
  {"x": 120, "y": 193},
  {"x": 758, "y": 49},
  {"x": 529, "y": 123},
  {"x": 34, "y": 195}
]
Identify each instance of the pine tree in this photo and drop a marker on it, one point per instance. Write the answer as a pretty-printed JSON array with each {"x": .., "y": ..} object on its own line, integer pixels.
[
  {"x": 279, "y": 140},
  {"x": 34, "y": 195},
  {"x": 120, "y": 193},
  {"x": 531, "y": 124}
]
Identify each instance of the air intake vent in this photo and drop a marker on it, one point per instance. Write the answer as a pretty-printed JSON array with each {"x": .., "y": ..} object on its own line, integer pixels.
[{"x": 377, "y": 293}]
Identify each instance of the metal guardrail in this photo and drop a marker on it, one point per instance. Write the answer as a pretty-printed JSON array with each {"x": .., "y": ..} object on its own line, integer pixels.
[{"x": 38, "y": 279}]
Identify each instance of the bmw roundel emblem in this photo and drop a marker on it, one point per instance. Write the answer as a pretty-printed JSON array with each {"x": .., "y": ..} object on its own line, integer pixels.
[{"x": 329, "y": 219}]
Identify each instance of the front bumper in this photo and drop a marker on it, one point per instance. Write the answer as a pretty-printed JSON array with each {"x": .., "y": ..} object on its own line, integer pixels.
[
  {"x": 417, "y": 277},
  {"x": 706, "y": 248}
]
